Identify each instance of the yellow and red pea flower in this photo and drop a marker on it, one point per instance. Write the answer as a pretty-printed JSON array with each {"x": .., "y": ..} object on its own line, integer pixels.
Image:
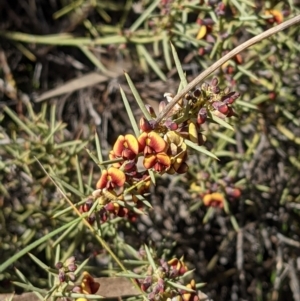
[
  {"x": 189, "y": 296},
  {"x": 151, "y": 143},
  {"x": 88, "y": 286},
  {"x": 111, "y": 178},
  {"x": 126, "y": 147},
  {"x": 214, "y": 199},
  {"x": 178, "y": 265},
  {"x": 159, "y": 162},
  {"x": 277, "y": 16}
]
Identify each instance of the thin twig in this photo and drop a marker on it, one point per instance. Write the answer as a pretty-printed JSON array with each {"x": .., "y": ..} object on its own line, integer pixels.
[{"x": 223, "y": 60}]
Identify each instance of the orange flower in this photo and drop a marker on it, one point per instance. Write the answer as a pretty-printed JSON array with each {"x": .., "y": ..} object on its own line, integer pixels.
[
  {"x": 178, "y": 265},
  {"x": 190, "y": 296},
  {"x": 277, "y": 16},
  {"x": 151, "y": 143},
  {"x": 111, "y": 178},
  {"x": 215, "y": 199},
  {"x": 126, "y": 147},
  {"x": 159, "y": 162},
  {"x": 88, "y": 286}
]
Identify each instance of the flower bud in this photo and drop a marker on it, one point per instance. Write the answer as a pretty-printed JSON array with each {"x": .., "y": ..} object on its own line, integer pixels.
[
  {"x": 150, "y": 110},
  {"x": 233, "y": 192},
  {"x": 214, "y": 82},
  {"x": 145, "y": 125},
  {"x": 70, "y": 260},
  {"x": 173, "y": 126},
  {"x": 163, "y": 104},
  {"x": 197, "y": 93},
  {"x": 202, "y": 116},
  {"x": 61, "y": 276},
  {"x": 122, "y": 212},
  {"x": 223, "y": 108},
  {"x": 72, "y": 267},
  {"x": 215, "y": 89},
  {"x": 59, "y": 265},
  {"x": 77, "y": 289}
]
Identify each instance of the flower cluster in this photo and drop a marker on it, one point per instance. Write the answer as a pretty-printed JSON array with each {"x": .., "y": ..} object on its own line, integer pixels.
[
  {"x": 66, "y": 270},
  {"x": 165, "y": 282},
  {"x": 66, "y": 274},
  {"x": 161, "y": 148},
  {"x": 213, "y": 194}
]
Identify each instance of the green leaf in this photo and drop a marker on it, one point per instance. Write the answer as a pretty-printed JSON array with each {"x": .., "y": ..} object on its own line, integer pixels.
[
  {"x": 151, "y": 62},
  {"x": 69, "y": 187},
  {"x": 81, "y": 266},
  {"x": 130, "y": 114},
  {"x": 33, "y": 245},
  {"x": 181, "y": 74},
  {"x": 130, "y": 275},
  {"x": 94, "y": 60},
  {"x": 98, "y": 148},
  {"x": 31, "y": 288},
  {"x": 144, "y": 16},
  {"x": 200, "y": 149},
  {"x": 220, "y": 121},
  {"x": 166, "y": 50},
  {"x": 149, "y": 257},
  {"x": 246, "y": 104},
  {"x": 39, "y": 262},
  {"x": 79, "y": 176},
  {"x": 65, "y": 234},
  {"x": 224, "y": 137},
  {"x": 137, "y": 97},
  {"x": 180, "y": 286},
  {"x": 19, "y": 122}
]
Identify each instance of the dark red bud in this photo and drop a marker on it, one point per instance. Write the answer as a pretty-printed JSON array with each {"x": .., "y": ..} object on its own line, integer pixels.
[
  {"x": 91, "y": 219},
  {"x": 59, "y": 265},
  {"x": 201, "y": 51},
  {"x": 110, "y": 207},
  {"x": 223, "y": 108},
  {"x": 151, "y": 111},
  {"x": 173, "y": 126},
  {"x": 197, "y": 93},
  {"x": 145, "y": 125},
  {"x": 122, "y": 212},
  {"x": 233, "y": 192},
  {"x": 202, "y": 116},
  {"x": 272, "y": 95},
  {"x": 230, "y": 112}
]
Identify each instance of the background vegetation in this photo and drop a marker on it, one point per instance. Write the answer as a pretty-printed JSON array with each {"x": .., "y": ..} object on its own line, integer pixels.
[{"x": 53, "y": 102}]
